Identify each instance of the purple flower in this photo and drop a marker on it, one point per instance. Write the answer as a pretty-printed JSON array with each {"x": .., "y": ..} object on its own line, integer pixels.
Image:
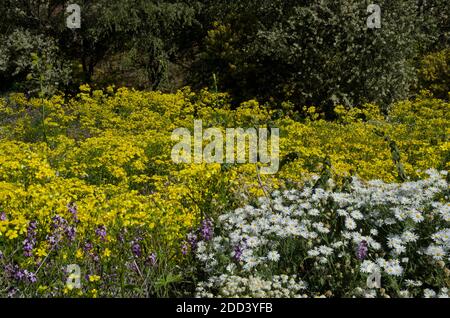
[
  {"x": 9, "y": 270},
  {"x": 59, "y": 225},
  {"x": 136, "y": 249},
  {"x": 28, "y": 248},
  {"x": 101, "y": 232},
  {"x": 3, "y": 216},
  {"x": 87, "y": 247},
  {"x": 206, "y": 229},
  {"x": 30, "y": 241},
  {"x": 132, "y": 266},
  {"x": 14, "y": 271},
  {"x": 184, "y": 248},
  {"x": 30, "y": 276},
  {"x": 71, "y": 233},
  {"x": 54, "y": 239},
  {"x": 238, "y": 250},
  {"x": 72, "y": 208},
  {"x": 192, "y": 240},
  {"x": 59, "y": 222},
  {"x": 19, "y": 275},
  {"x": 362, "y": 250},
  {"x": 32, "y": 227},
  {"x": 151, "y": 260},
  {"x": 12, "y": 291}
]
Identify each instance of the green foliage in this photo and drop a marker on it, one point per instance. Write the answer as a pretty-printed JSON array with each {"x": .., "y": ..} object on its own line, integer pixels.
[
  {"x": 434, "y": 74},
  {"x": 32, "y": 62},
  {"x": 434, "y": 28},
  {"x": 148, "y": 33},
  {"x": 314, "y": 53},
  {"x": 307, "y": 53}
]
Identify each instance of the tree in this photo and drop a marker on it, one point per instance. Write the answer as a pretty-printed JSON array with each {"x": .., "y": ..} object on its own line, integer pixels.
[
  {"x": 150, "y": 32},
  {"x": 314, "y": 52}
]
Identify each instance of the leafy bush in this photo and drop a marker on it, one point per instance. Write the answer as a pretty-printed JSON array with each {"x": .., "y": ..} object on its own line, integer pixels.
[
  {"x": 434, "y": 73},
  {"x": 314, "y": 53},
  {"x": 33, "y": 63}
]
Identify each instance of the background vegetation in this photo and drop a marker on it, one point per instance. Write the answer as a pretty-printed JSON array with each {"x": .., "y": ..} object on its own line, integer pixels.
[{"x": 307, "y": 52}]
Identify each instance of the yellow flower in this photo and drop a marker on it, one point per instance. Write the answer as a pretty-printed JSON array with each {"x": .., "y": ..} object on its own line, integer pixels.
[
  {"x": 40, "y": 252},
  {"x": 11, "y": 234},
  {"x": 107, "y": 252},
  {"x": 94, "y": 293},
  {"x": 94, "y": 278},
  {"x": 79, "y": 253},
  {"x": 42, "y": 288}
]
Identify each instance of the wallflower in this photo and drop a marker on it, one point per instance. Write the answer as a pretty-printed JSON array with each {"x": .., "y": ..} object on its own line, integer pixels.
[{"x": 362, "y": 250}]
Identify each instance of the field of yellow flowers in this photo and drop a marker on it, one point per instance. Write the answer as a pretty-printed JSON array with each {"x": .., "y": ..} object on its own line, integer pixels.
[{"x": 88, "y": 180}]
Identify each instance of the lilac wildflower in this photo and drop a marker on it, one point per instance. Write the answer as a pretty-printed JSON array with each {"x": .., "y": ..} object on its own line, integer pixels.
[
  {"x": 72, "y": 208},
  {"x": 87, "y": 247},
  {"x": 30, "y": 241},
  {"x": 206, "y": 229},
  {"x": 14, "y": 271},
  {"x": 9, "y": 270},
  {"x": 151, "y": 260},
  {"x": 192, "y": 240},
  {"x": 132, "y": 266},
  {"x": 184, "y": 248},
  {"x": 12, "y": 292},
  {"x": 362, "y": 250},
  {"x": 59, "y": 222},
  {"x": 238, "y": 250},
  {"x": 3, "y": 216},
  {"x": 136, "y": 249},
  {"x": 54, "y": 239},
  {"x": 121, "y": 238},
  {"x": 28, "y": 248},
  {"x": 71, "y": 233},
  {"x": 30, "y": 276},
  {"x": 19, "y": 274},
  {"x": 101, "y": 232}
]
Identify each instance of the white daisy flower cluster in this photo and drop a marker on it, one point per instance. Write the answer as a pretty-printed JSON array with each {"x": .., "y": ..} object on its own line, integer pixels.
[
  {"x": 327, "y": 236},
  {"x": 278, "y": 286}
]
